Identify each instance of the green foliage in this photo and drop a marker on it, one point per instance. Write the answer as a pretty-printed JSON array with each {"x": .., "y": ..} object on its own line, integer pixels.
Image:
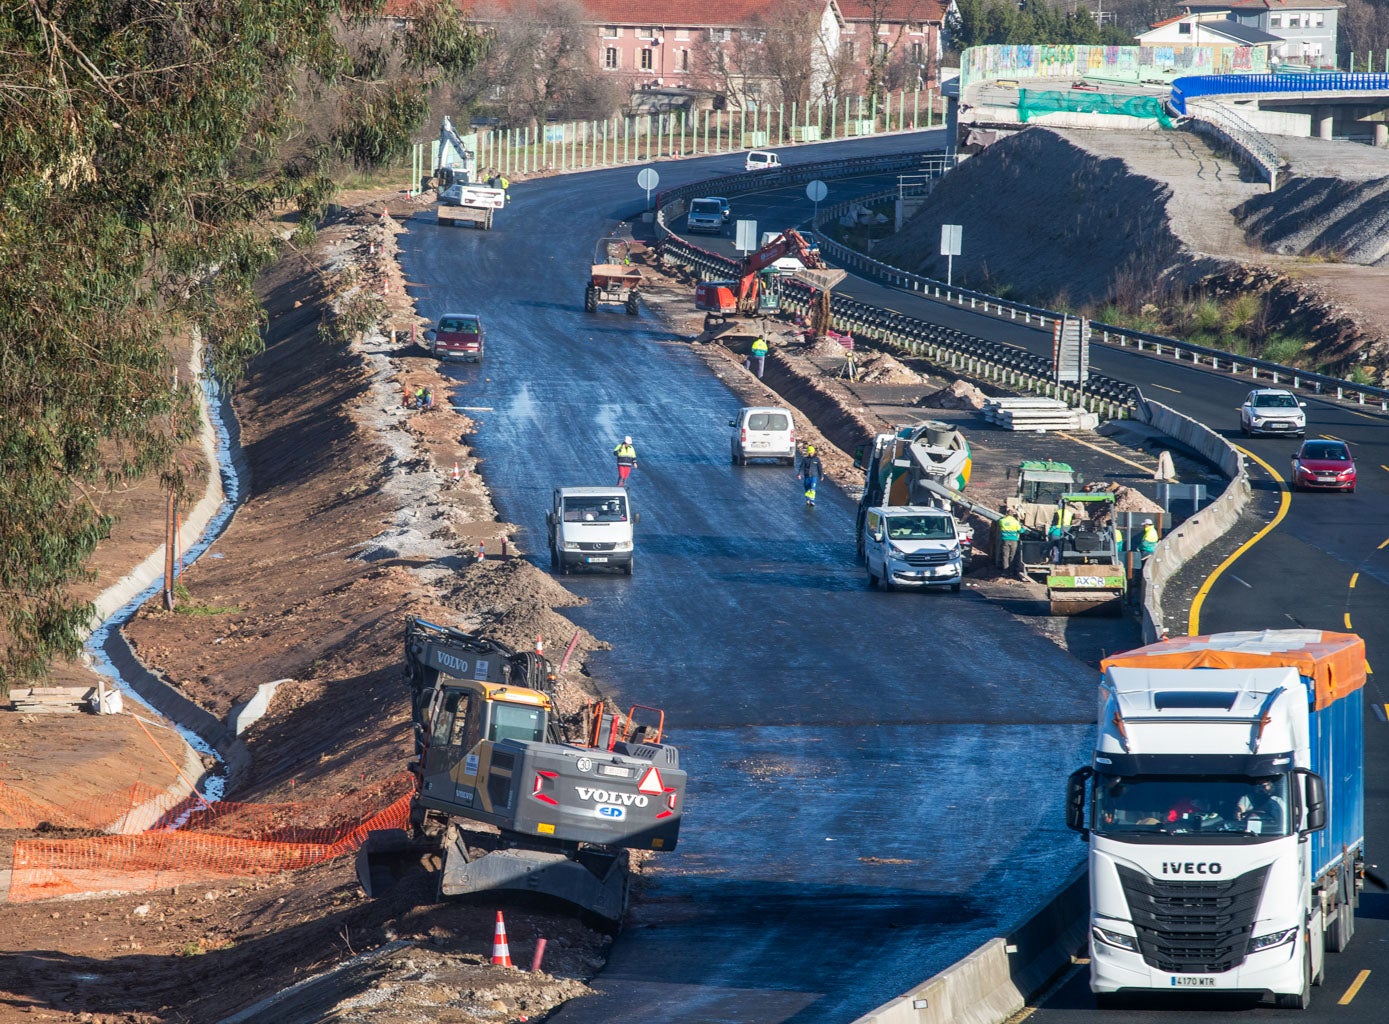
[
  {"x": 144, "y": 140},
  {"x": 1282, "y": 348},
  {"x": 1362, "y": 375}
]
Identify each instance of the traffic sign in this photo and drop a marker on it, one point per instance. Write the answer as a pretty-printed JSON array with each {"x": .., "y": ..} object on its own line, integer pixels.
[
  {"x": 816, "y": 190},
  {"x": 648, "y": 179}
]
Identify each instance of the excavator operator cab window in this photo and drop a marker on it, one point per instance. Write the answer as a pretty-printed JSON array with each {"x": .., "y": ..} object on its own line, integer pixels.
[
  {"x": 444, "y": 720},
  {"x": 522, "y": 722}
]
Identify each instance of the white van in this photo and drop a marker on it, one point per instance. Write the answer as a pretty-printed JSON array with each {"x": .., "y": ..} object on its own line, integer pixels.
[
  {"x": 761, "y": 160},
  {"x": 912, "y": 546},
  {"x": 591, "y": 527},
  {"x": 763, "y": 432}
]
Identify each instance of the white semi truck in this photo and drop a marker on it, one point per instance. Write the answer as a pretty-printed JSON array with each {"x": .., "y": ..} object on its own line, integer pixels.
[{"x": 1224, "y": 810}]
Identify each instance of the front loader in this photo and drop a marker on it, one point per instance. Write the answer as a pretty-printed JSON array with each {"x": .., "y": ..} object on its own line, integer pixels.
[{"x": 503, "y": 801}]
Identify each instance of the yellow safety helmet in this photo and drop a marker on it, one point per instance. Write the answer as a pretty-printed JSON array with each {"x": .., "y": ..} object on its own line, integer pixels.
[{"x": 810, "y": 449}]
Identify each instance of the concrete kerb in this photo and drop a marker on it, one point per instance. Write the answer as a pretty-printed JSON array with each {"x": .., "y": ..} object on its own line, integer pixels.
[{"x": 995, "y": 981}]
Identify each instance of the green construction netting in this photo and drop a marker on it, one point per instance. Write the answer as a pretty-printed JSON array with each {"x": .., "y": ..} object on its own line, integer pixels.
[{"x": 1033, "y": 104}]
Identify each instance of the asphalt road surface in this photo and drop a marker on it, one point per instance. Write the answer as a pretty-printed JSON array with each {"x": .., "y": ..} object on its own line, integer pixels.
[{"x": 874, "y": 778}]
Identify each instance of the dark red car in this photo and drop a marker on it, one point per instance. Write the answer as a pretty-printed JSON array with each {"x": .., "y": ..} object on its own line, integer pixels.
[{"x": 1323, "y": 466}]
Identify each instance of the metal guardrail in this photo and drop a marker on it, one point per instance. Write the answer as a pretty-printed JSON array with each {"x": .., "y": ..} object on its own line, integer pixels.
[
  {"x": 1217, "y": 85},
  {"x": 971, "y": 357},
  {"x": 1229, "y": 128}
]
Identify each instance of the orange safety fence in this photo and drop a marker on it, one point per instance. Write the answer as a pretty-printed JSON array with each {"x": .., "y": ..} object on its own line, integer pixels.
[
  {"x": 232, "y": 840},
  {"x": 108, "y": 812}
]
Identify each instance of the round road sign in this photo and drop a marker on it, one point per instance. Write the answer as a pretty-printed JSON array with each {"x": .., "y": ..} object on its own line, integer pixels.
[
  {"x": 647, "y": 178},
  {"x": 816, "y": 191}
]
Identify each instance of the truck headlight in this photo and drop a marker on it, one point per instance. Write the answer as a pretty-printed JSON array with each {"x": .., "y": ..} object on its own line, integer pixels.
[
  {"x": 1272, "y": 939},
  {"x": 623, "y": 545},
  {"x": 1115, "y": 939},
  {"x": 571, "y": 545},
  {"x": 895, "y": 551}
]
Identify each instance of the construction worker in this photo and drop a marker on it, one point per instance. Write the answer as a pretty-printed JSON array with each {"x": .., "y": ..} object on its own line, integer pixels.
[
  {"x": 626, "y": 460},
  {"x": 1009, "y": 532},
  {"x": 504, "y": 183},
  {"x": 1061, "y": 523},
  {"x": 1118, "y": 540},
  {"x": 811, "y": 471},
  {"x": 759, "y": 355},
  {"x": 1147, "y": 544}
]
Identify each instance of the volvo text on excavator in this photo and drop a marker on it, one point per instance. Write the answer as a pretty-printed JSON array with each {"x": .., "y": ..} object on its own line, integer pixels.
[{"x": 506, "y": 798}]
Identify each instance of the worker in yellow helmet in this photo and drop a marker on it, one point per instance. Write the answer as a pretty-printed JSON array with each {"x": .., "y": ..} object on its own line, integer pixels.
[{"x": 811, "y": 471}]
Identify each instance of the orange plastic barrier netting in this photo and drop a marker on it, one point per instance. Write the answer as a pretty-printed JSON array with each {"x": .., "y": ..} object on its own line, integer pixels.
[
  {"x": 223, "y": 841},
  {"x": 109, "y": 812}
]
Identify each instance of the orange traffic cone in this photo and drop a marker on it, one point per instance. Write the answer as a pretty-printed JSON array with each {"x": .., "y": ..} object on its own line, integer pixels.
[
  {"x": 539, "y": 645},
  {"x": 455, "y": 472},
  {"x": 501, "y": 952}
]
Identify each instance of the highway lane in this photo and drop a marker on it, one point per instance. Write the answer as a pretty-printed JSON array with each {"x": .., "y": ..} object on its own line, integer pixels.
[
  {"x": 1324, "y": 565},
  {"x": 871, "y": 775}
]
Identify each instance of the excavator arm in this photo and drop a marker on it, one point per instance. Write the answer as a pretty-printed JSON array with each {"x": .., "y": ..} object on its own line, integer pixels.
[{"x": 788, "y": 243}]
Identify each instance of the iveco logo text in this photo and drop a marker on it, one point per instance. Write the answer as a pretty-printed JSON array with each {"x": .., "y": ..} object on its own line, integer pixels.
[
  {"x": 1191, "y": 868},
  {"x": 604, "y": 796}
]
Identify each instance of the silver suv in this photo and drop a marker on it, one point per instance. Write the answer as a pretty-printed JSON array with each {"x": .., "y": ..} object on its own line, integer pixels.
[{"x": 1272, "y": 411}]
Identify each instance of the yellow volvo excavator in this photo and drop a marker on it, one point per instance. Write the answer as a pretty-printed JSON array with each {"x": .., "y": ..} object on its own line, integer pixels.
[{"x": 504, "y": 800}]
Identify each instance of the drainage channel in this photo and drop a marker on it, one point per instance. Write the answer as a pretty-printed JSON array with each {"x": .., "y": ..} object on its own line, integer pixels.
[{"x": 106, "y": 646}]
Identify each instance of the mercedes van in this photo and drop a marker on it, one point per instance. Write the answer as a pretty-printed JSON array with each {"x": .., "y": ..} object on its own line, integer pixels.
[
  {"x": 912, "y": 546},
  {"x": 705, "y": 215},
  {"x": 590, "y": 528}
]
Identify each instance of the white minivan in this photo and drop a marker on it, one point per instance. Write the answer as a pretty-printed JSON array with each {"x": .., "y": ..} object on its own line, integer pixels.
[
  {"x": 591, "y": 528},
  {"x": 912, "y": 546},
  {"x": 761, "y": 160},
  {"x": 763, "y": 432}
]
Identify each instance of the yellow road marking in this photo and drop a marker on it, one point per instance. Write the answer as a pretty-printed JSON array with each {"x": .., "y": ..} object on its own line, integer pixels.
[
  {"x": 1165, "y": 388},
  {"x": 1331, "y": 437},
  {"x": 1348, "y": 625},
  {"x": 1354, "y": 988},
  {"x": 1284, "y": 503},
  {"x": 1383, "y": 545},
  {"x": 1384, "y": 467},
  {"x": 1112, "y": 455},
  {"x": 1353, "y": 577}
]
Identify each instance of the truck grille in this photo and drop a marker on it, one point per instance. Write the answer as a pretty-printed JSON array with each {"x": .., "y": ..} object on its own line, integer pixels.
[
  {"x": 1193, "y": 927},
  {"x": 597, "y": 547},
  {"x": 920, "y": 558}
]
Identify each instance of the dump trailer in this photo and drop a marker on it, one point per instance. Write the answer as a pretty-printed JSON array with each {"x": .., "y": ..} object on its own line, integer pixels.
[
  {"x": 504, "y": 801},
  {"x": 612, "y": 278},
  {"x": 1224, "y": 810}
]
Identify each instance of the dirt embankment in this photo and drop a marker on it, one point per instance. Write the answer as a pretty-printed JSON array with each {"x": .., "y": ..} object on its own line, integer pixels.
[{"x": 1068, "y": 219}]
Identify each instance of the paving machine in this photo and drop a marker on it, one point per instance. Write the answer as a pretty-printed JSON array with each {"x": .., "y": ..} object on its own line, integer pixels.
[
  {"x": 504, "y": 801},
  {"x": 1089, "y": 578},
  {"x": 612, "y": 278}
]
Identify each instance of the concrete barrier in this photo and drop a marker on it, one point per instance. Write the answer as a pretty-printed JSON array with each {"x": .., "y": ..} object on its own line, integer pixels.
[
  {"x": 995, "y": 981},
  {"x": 1212, "y": 522}
]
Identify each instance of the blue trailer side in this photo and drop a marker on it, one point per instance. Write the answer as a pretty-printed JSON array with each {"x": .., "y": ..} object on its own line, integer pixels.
[{"x": 1338, "y": 756}]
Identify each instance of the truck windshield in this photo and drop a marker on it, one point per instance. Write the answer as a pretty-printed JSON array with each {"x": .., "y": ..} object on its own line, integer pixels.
[
  {"x": 920, "y": 528},
  {"x": 1181, "y": 804},
  {"x": 595, "y": 510},
  {"x": 708, "y": 207}
]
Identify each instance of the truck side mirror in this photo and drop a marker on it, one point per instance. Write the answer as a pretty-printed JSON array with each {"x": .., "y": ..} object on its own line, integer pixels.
[
  {"x": 549, "y": 519},
  {"x": 732, "y": 423},
  {"x": 877, "y": 535},
  {"x": 1075, "y": 800},
  {"x": 1314, "y": 799},
  {"x": 430, "y": 334},
  {"x": 636, "y": 518}
]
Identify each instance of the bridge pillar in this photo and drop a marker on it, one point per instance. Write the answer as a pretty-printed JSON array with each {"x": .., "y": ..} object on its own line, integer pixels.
[
  {"x": 1324, "y": 119},
  {"x": 1381, "y": 135}
]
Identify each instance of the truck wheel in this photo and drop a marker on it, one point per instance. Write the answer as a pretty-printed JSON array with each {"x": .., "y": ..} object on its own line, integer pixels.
[
  {"x": 1341, "y": 928},
  {"x": 954, "y": 588},
  {"x": 627, "y": 569},
  {"x": 563, "y": 567},
  {"x": 872, "y": 580},
  {"x": 591, "y": 299},
  {"x": 554, "y": 557},
  {"x": 633, "y": 306}
]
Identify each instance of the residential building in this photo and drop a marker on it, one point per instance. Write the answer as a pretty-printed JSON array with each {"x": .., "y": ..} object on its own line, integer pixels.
[
  {"x": 1306, "y": 29},
  {"x": 1212, "y": 28},
  {"x": 906, "y": 35}
]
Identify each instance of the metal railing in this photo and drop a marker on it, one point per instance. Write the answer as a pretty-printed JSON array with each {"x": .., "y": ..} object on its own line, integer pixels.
[
  {"x": 1217, "y": 85},
  {"x": 963, "y": 352},
  {"x": 1227, "y": 127}
]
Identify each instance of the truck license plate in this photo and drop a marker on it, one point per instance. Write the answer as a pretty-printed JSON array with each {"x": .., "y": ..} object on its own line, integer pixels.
[
  {"x": 1192, "y": 981},
  {"x": 597, "y": 558}
]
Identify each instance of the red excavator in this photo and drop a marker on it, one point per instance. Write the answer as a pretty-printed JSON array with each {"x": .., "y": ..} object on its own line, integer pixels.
[{"x": 754, "y": 292}]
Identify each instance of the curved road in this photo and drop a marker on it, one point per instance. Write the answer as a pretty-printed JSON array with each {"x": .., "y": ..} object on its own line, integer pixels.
[{"x": 872, "y": 776}]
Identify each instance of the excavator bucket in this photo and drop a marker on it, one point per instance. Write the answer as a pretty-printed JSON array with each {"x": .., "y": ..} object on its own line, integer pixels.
[{"x": 388, "y": 854}]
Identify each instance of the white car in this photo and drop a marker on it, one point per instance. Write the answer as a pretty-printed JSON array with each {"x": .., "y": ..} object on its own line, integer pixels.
[
  {"x": 761, "y": 160},
  {"x": 1272, "y": 411},
  {"x": 763, "y": 432}
]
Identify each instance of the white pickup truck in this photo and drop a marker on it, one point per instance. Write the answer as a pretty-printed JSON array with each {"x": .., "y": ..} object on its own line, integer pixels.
[{"x": 470, "y": 204}]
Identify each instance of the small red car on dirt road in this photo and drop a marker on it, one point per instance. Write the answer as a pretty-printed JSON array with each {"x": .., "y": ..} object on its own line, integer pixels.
[{"x": 459, "y": 335}]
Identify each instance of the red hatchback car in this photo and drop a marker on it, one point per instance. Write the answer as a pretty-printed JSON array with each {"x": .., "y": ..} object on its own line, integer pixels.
[{"x": 1323, "y": 466}]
